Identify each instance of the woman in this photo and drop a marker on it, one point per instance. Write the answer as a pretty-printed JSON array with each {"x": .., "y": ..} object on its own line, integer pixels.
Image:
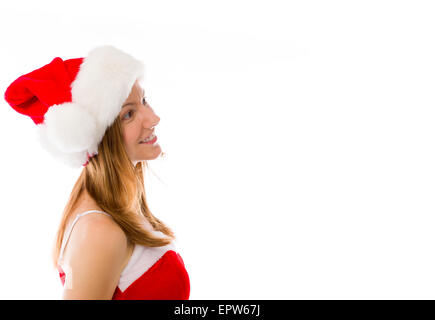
[{"x": 92, "y": 112}]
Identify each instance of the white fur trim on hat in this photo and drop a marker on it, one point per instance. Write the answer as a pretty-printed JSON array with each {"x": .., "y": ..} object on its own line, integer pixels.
[
  {"x": 103, "y": 82},
  {"x": 74, "y": 160},
  {"x": 70, "y": 127}
]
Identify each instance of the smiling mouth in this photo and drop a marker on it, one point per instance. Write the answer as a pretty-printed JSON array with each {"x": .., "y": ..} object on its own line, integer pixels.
[{"x": 150, "y": 140}]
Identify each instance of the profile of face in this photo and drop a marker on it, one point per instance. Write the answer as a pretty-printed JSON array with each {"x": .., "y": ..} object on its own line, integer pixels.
[{"x": 138, "y": 121}]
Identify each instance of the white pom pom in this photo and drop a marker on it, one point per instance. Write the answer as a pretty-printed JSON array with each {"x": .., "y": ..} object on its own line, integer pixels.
[{"x": 70, "y": 127}]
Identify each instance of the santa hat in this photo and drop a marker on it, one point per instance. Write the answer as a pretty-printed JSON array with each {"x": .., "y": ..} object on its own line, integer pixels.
[{"x": 74, "y": 101}]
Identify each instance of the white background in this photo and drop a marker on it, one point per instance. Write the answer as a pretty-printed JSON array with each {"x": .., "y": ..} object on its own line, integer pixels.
[{"x": 299, "y": 139}]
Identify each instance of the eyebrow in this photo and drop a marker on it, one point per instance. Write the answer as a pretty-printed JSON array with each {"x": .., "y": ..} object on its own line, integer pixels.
[{"x": 130, "y": 103}]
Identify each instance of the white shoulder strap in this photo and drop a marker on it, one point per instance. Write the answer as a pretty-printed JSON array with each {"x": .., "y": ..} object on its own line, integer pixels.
[{"x": 68, "y": 233}]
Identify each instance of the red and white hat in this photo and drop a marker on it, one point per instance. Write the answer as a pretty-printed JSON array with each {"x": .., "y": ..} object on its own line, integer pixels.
[{"x": 74, "y": 101}]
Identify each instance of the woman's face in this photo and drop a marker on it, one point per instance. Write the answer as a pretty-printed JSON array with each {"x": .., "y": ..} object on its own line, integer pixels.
[{"x": 138, "y": 119}]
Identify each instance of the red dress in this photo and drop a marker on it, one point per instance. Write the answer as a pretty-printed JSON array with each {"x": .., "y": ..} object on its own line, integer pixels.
[{"x": 152, "y": 273}]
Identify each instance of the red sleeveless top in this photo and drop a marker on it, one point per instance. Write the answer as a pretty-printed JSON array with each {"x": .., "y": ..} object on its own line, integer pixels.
[{"x": 152, "y": 273}]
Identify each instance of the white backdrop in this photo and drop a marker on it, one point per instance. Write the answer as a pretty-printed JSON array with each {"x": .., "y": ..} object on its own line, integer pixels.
[{"x": 299, "y": 139}]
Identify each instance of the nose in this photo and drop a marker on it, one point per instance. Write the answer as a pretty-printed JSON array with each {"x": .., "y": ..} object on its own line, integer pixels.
[{"x": 150, "y": 120}]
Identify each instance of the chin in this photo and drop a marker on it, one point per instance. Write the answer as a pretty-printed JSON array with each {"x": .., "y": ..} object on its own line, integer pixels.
[{"x": 151, "y": 155}]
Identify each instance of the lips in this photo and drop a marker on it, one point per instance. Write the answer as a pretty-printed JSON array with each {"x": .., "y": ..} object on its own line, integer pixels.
[
  {"x": 150, "y": 139},
  {"x": 147, "y": 138}
]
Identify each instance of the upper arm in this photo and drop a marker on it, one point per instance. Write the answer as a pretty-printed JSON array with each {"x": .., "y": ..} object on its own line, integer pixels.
[{"x": 96, "y": 252}]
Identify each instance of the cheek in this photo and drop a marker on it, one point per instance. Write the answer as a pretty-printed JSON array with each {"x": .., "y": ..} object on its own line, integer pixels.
[{"x": 128, "y": 137}]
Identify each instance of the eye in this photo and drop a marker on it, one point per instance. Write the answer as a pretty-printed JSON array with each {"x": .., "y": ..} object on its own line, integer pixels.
[
  {"x": 144, "y": 101},
  {"x": 131, "y": 111}
]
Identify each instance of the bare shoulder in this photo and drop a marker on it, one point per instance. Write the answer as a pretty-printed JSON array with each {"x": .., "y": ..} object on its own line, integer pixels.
[
  {"x": 97, "y": 231},
  {"x": 95, "y": 257}
]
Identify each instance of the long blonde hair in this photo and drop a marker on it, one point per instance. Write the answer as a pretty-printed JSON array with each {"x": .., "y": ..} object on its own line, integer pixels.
[{"x": 118, "y": 188}]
